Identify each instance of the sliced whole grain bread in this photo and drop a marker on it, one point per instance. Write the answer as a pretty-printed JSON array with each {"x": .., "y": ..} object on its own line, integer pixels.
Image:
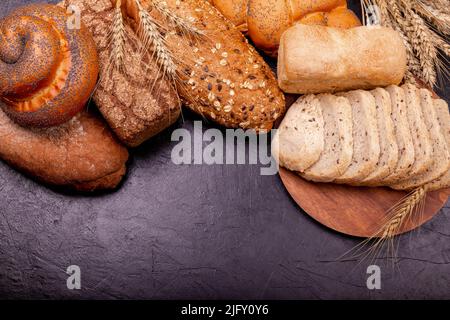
[
  {"x": 299, "y": 140},
  {"x": 441, "y": 156},
  {"x": 366, "y": 142},
  {"x": 388, "y": 143},
  {"x": 338, "y": 147},
  {"x": 443, "y": 117},
  {"x": 423, "y": 150},
  {"x": 403, "y": 136}
]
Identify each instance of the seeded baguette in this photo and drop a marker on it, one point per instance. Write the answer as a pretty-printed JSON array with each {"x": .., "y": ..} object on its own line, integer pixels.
[
  {"x": 366, "y": 142},
  {"x": 299, "y": 140},
  {"x": 388, "y": 144},
  {"x": 338, "y": 143},
  {"x": 219, "y": 75},
  {"x": 423, "y": 150},
  {"x": 228, "y": 81},
  {"x": 403, "y": 135},
  {"x": 443, "y": 118},
  {"x": 441, "y": 156}
]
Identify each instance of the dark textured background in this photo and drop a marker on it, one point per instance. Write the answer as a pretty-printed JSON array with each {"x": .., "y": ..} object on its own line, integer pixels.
[{"x": 195, "y": 232}]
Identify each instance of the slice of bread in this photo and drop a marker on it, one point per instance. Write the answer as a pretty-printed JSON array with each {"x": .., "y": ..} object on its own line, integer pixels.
[
  {"x": 366, "y": 142},
  {"x": 338, "y": 148},
  {"x": 403, "y": 136},
  {"x": 299, "y": 140},
  {"x": 441, "y": 157},
  {"x": 443, "y": 117},
  {"x": 388, "y": 143},
  {"x": 423, "y": 150}
]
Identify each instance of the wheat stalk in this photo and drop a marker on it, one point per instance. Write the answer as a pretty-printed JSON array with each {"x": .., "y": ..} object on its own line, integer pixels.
[
  {"x": 150, "y": 37},
  {"x": 425, "y": 49},
  {"x": 118, "y": 38},
  {"x": 436, "y": 18},
  {"x": 402, "y": 212},
  {"x": 186, "y": 26},
  {"x": 410, "y": 207},
  {"x": 439, "y": 5},
  {"x": 421, "y": 25}
]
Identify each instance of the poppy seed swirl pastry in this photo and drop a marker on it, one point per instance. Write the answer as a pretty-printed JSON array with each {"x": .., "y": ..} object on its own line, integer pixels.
[{"x": 48, "y": 68}]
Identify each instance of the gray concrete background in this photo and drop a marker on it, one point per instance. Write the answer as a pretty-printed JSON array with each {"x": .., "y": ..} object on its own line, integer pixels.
[{"x": 200, "y": 232}]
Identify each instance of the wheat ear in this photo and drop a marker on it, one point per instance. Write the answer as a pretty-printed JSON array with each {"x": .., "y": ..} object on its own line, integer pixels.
[
  {"x": 408, "y": 208},
  {"x": 426, "y": 51},
  {"x": 405, "y": 210},
  {"x": 185, "y": 26},
  {"x": 150, "y": 37},
  {"x": 118, "y": 38},
  {"x": 436, "y": 17}
]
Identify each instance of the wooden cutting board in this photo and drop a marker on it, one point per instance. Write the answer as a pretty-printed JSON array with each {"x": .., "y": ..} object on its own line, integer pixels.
[{"x": 356, "y": 211}]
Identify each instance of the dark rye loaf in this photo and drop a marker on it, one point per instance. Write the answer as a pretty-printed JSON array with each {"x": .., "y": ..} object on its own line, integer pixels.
[{"x": 131, "y": 108}]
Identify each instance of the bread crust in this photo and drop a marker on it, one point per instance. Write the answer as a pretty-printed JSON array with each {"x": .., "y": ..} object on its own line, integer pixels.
[
  {"x": 443, "y": 115},
  {"x": 316, "y": 59},
  {"x": 366, "y": 143},
  {"x": 52, "y": 69},
  {"x": 423, "y": 149},
  {"x": 338, "y": 141},
  {"x": 441, "y": 154},
  {"x": 406, "y": 154},
  {"x": 134, "y": 108},
  {"x": 299, "y": 140},
  {"x": 388, "y": 143},
  {"x": 266, "y": 20},
  {"x": 81, "y": 154}
]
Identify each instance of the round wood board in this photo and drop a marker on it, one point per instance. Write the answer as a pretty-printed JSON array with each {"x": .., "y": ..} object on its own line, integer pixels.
[{"x": 356, "y": 211}]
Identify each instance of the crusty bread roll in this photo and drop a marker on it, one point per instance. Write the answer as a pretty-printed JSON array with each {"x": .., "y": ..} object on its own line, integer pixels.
[
  {"x": 234, "y": 10},
  {"x": 81, "y": 154},
  {"x": 315, "y": 59},
  {"x": 266, "y": 21}
]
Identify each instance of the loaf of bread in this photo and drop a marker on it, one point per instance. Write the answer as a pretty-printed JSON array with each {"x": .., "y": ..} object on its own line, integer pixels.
[
  {"x": 235, "y": 11},
  {"x": 47, "y": 73},
  {"x": 315, "y": 59},
  {"x": 81, "y": 154},
  {"x": 378, "y": 116},
  {"x": 266, "y": 21},
  {"x": 134, "y": 108},
  {"x": 218, "y": 74}
]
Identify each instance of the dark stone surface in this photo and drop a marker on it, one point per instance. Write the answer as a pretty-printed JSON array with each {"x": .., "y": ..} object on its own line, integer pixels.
[{"x": 195, "y": 231}]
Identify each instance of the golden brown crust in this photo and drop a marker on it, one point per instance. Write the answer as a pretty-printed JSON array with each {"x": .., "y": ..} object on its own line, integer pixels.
[
  {"x": 81, "y": 154},
  {"x": 227, "y": 80},
  {"x": 234, "y": 10},
  {"x": 266, "y": 20},
  {"x": 337, "y": 18},
  {"x": 52, "y": 74},
  {"x": 223, "y": 78}
]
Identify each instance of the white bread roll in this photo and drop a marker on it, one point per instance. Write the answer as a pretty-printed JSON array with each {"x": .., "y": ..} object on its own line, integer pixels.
[{"x": 316, "y": 59}]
